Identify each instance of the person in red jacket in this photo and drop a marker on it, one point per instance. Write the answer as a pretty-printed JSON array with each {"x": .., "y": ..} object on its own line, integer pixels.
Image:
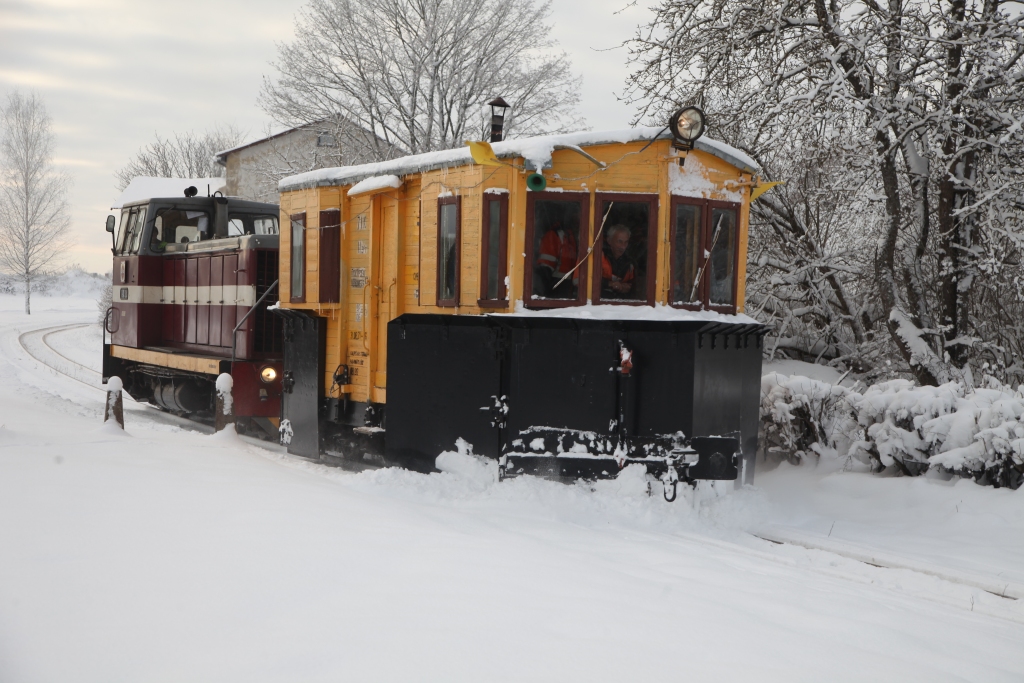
[
  {"x": 618, "y": 273},
  {"x": 557, "y": 256}
]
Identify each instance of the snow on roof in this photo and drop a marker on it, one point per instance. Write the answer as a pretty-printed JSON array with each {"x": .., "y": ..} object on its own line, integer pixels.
[
  {"x": 377, "y": 182},
  {"x": 536, "y": 151},
  {"x": 144, "y": 187}
]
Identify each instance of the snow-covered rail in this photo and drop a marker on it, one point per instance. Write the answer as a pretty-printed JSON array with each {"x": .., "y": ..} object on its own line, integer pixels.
[
  {"x": 942, "y": 587},
  {"x": 35, "y": 344},
  {"x": 877, "y": 558}
]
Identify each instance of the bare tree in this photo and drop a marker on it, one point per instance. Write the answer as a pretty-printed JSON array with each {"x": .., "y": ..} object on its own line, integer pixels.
[
  {"x": 415, "y": 74},
  {"x": 935, "y": 89},
  {"x": 33, "y": 195},
  {"x": 185, "y": 155}
]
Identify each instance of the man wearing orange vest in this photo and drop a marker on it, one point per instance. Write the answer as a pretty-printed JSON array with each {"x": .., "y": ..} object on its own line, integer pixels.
[
  {"x": 617, "y": 271},
  {"x": 558, "y": 257}
]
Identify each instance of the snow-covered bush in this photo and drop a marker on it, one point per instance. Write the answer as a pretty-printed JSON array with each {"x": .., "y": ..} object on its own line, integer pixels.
[
  {"x": 898, "y": 425},
  {"x": 801, "y": 417}
]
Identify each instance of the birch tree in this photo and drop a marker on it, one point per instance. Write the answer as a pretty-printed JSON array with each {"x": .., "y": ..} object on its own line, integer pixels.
[
  {"x": 935, "y": 90},
  {"x": 33, "y": 195},
  {"x": 415, "y": 75}
]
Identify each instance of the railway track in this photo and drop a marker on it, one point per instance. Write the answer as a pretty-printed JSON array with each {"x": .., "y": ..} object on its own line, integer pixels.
[{"x": 36, "y": 344}]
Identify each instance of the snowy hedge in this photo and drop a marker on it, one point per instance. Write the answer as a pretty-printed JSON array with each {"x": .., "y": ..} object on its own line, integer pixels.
[{"x": 973, "y": 432}]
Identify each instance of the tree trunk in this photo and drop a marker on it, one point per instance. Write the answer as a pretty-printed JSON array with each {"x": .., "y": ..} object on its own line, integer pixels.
[
  {"x": 28, "y": 296},
  {"x": 885, "y": 260}
]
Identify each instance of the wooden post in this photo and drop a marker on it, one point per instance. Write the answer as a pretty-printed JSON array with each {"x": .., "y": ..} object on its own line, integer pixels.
[
  {"x": 224, "y": 413},
  {"x": 115, "y": 402}
]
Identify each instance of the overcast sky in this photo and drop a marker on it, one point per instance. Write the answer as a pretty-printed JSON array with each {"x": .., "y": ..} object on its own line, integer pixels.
[{"x": 115, "y": 72}]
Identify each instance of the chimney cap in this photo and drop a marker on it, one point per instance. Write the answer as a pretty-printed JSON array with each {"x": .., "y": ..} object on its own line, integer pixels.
[{"x": 498, "y": 102}]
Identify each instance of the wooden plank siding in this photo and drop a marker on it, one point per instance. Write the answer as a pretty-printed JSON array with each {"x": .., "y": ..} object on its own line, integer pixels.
[{"x": 389, "y": 243}]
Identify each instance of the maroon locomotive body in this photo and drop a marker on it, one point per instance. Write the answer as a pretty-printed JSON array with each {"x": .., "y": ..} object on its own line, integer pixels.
[{"x": 192, "y": 281}]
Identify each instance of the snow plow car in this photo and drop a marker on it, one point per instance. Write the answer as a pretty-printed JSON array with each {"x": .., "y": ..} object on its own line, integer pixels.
[{"x": 567, "y": 305}]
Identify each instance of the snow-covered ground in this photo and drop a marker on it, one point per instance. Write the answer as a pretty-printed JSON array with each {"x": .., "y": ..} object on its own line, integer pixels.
[{"x": 168, "y": 554}]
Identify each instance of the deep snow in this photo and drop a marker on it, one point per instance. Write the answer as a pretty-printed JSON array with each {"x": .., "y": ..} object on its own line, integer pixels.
[{"x": 167, "y": 554}]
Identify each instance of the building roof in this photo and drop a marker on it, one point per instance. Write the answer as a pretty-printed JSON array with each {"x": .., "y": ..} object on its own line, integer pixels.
[
  {"x": 222, "y": 156},
  {"x": 536, "y": 151}
]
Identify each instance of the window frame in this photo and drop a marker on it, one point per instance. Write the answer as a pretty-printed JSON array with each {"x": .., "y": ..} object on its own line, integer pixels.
[
  {"x": 485, "y": 249},
  {"x": 292, "y": 220},
  {"x": 583, "y": 199},
  {"x": 706, "y": 234},
  {"x": 456, "y": 284},
  {"x": 652, "y": 242}
]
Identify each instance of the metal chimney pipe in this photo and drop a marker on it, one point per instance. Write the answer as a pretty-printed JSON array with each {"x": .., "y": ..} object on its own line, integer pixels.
[{"x": 498, "y": 109}]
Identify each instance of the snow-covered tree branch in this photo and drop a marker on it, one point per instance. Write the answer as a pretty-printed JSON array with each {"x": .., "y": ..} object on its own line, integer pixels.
[
  {"x": 923, "y": 103},
  {"x": 185, "y": 155},
  {"x": 414, "y": 75}
]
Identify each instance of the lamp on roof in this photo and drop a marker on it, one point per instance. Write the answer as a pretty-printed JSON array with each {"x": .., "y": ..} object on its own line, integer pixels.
[
  {"x": 498, "y": 109},
  {"x": 687, "y": 125}
]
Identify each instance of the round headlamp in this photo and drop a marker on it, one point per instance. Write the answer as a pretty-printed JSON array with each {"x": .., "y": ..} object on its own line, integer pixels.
[
  {"x": 687, "y": 124},
  {"x": 268, "y": 374}
]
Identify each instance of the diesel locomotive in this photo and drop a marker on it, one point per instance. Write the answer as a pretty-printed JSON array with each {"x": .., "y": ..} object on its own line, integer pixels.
[
  {"x": 566, "y": 305},
  {"x": 192, "y": 280}
]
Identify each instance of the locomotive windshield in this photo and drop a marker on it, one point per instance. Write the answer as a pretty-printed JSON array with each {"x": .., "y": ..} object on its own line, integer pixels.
[
  {"x": 130, "y": 234},
  {"x": 177, "y": 226}
]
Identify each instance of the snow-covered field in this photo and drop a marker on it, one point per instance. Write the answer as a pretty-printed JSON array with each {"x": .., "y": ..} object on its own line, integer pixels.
[{"x": 168, "y": 554}]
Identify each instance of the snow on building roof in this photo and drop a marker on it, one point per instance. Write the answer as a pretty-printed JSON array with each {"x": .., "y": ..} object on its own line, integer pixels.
[
  {"x": 144, "y": 187},
  {"x": 376, "y": 182},
  {"x": 536, "y": 151}
]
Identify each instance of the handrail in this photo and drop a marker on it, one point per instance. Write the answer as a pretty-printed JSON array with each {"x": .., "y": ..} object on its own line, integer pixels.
[{"x": 234, "y": 332}]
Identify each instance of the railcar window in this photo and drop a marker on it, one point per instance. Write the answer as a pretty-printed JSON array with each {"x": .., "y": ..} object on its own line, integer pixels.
[
  {"x": 236, "y": 226},
  {"x": 723, "y": 256},
  {"x": 556, "y": 240},
  {"x": 686, "y": 259},
  {"x": 298, "y": 257},
  {"x": 176, "y": 226},
  {"x": 495, "y": 239},
  {"x": 704, "y": 241},
  {"x": 448, "y": 219},
  {"x": 624, "y": 250}
]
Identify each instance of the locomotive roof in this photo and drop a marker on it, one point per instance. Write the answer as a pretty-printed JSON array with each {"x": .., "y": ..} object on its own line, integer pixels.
[
  {"x": 536, "y": 151},
  {"x": 203, "y": 202}
]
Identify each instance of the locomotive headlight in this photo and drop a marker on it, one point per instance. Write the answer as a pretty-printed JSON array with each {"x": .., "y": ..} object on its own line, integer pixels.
[{"x": 268, "y": 374}]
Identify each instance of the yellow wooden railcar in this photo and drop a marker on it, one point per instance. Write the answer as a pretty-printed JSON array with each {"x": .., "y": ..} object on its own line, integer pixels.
[{"x": 430, "y": 238}]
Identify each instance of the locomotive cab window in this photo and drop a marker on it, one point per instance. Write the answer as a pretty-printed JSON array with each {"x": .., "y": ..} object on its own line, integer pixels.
[
  {"x": 494, "y": 250},
  {"x": 627, "y": 263},
  {"x": 249, "y": 224},
  {"x": 704, "y": 239},
  {"x": 555, "y": 230},
  {"x": 449, "y": 219},
  {"x": 122, "y": 230},
  {"x": 178, "y": 227},
  {"x": 130, "y": 236}
]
